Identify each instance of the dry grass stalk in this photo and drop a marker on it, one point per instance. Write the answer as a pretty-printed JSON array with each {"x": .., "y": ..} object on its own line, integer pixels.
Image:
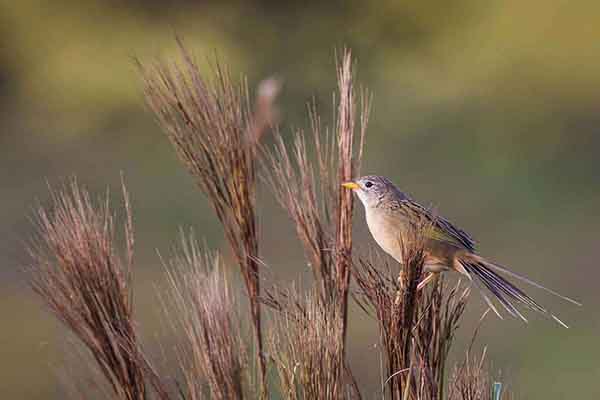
[
  {"x": 310, "y": 189},
  {"x": 303, "y": 190},
  {"x": 87, "y": 285},
  {"x": 201, "y": 305},
  {"x": 470, "y": 380},
  {"x": 348, "y": 167},
  {"x": 434, "y": 333},
  {"x": 306, "y": 348},
  {"x": 322, "y": 213},
  {"x": 80, "y": 276},
  {"x": 214, "y": 132},
  {"x": 416, "y": 329}
]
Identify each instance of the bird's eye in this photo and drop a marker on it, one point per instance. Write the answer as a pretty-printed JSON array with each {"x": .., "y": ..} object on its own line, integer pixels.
[{"x": 368, "y": 184}]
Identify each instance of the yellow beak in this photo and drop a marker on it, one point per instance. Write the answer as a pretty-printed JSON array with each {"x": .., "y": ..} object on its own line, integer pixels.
[{"x": 350, "y": 185}]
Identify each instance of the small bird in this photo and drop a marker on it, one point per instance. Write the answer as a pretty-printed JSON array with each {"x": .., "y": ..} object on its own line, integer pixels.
[{"x": 390, "y": 213}]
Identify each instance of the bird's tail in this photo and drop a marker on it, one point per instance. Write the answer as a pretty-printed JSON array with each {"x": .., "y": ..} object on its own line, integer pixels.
[{"x": 483, "y": 272}]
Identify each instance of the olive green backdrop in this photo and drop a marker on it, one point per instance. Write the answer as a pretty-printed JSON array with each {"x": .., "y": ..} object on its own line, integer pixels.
[{"x": 489, "y": 110}]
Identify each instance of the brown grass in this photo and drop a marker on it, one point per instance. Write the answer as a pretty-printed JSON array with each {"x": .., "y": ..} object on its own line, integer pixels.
[
  {"x": 470, "y": 380},
  {"x": 214, "y": 132},
  {"x": 214, "y": 129},
  {"x": 305, "y": 190},
  {"x": 416, "y": 329},
  {"x": 306, "y": 347},
  {"x": 200, "y": 304},
  {"x": 348, "y": 167},
  {"x": 310, "y": 190},
  {"x": 80, "y": 276}
]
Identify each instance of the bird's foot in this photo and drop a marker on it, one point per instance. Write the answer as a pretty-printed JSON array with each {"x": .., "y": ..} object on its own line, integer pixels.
[
  {"x": 401, "y": 277},
  {"x": 425, "y": 281}
]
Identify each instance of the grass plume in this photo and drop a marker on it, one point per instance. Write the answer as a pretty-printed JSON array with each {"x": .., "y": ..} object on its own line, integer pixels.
[
  {"x": 83, "y": 278},
  {"x": 302, "y": 188},
  {"x": 348, "y": 167},
  {"x": 78, "y": 273},
  {"x": 416, "y": 328},
  {"x": 306, "y": 347},
  {"x": 214, "y": 132},
  {"x": 310, "y": 189},
  {"x": 200, "y": 304}
]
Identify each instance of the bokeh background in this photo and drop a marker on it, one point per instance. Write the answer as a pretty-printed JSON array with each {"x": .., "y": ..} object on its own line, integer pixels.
[{"x": 487, "y": 109}]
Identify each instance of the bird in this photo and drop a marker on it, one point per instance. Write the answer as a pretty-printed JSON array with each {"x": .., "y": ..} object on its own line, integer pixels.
[{"x": 390, "y": 213}]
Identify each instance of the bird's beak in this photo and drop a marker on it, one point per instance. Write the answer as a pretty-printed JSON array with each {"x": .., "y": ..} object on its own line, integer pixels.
[{"x": 350, "y": 185}]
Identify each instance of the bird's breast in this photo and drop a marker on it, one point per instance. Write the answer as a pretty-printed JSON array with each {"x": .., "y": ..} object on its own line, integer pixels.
[
  {"x": 389, "y": 229},
  {"x": 387, "y": 232}
]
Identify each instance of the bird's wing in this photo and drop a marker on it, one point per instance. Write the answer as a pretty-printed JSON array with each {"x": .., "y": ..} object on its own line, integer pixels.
[{"x": 442, "y": 230}]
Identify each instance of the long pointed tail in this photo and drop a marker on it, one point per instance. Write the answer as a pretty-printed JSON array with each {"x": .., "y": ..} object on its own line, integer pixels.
[{"x": 504, "y": 291}]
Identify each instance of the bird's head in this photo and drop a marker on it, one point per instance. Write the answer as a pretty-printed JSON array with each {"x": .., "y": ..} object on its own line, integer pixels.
[{"x": 373, "y": 189}]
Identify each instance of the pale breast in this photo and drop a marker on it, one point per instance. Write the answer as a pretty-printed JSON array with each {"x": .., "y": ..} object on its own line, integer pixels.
[{"x": 386, "y": 232}]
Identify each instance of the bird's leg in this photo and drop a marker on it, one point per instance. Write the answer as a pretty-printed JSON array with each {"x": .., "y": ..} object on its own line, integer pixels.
[
  {"x": 426, "y": 280},
  {"x": 401, "y": 276},
  {"x": 400, "y": 281}
]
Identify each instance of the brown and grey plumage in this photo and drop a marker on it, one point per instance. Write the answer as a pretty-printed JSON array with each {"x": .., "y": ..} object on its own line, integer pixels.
[{"x": 390, "y": 213}]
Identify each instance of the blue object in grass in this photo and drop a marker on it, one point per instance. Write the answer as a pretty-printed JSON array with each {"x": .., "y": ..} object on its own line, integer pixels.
[{"x": 496, "y": 390}]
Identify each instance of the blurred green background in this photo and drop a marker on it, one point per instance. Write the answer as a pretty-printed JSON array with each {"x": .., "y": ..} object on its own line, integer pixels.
[{"x": 489, "y": 110}]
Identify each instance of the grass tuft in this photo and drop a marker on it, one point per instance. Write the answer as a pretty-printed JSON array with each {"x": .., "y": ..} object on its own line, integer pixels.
[
  {"x": 200, "y": 304},
  {"x": 80, "y": 273},
  {"x": 214, "y": 131}
]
